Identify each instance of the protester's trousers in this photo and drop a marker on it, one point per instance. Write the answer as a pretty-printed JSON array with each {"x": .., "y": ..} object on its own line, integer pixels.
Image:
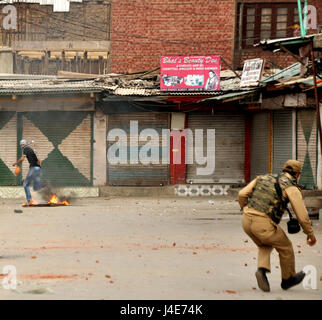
[{"x": 33, "y": 176}]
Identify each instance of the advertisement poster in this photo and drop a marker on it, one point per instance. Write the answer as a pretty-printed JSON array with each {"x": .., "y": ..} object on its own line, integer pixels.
[{"x": 190, "y": 73}]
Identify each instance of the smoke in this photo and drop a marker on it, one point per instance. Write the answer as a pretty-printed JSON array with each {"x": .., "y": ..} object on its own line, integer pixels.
[{"x": 46, "y": 193}]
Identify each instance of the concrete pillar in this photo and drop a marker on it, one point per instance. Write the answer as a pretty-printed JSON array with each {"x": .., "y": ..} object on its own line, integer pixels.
[
  {"x": 6, "y": 61},
  {"x": 99, "y": 169},
  {"x": 294, "y": 133}
]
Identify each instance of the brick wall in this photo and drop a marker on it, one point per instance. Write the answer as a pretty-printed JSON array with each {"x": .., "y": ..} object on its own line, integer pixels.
[
  {"x": 89, "y": 20},
  {"x": 278, "y": 59},
  {"x": 142, "y": 31}
]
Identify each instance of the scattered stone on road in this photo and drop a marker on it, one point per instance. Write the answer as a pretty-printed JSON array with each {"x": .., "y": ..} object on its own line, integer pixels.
[{"x": 100, "y": 248}]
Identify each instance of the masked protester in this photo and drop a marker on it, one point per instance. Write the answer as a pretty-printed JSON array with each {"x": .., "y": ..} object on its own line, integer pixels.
[
  {"x": 34, "y": 173},
  {"x": 262, "y": 212}
]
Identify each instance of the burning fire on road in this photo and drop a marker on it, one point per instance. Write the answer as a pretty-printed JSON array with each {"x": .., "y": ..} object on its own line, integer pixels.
[{"x": 53, "y": 202}]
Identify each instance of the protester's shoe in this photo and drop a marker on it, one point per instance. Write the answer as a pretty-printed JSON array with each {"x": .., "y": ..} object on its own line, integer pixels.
[
  {"x": 293, "y": 280},
  {"x": 30, "y": 203},
  {"x": 262, "y": 281}
]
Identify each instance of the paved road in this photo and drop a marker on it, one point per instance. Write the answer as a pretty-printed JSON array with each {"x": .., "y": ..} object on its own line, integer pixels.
[{"x": 140, "y": 248}]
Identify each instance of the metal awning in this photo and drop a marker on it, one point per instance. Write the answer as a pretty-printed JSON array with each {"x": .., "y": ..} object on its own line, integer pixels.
[
  {"x": 292, "y": 44},
  {"x": 231, "y": 96}
]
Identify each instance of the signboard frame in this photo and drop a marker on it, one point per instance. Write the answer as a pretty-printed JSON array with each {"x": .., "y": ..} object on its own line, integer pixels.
[
  {"x": 190, "y": 73},
  {"x": 252, "y": 72}
]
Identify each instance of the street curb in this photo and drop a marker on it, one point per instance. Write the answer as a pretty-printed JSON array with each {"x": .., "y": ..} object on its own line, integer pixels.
[{"x": 69, "y": 192}]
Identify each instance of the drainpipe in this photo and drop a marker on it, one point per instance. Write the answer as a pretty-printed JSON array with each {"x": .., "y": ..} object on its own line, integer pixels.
[{"x": 305, "y": 16}]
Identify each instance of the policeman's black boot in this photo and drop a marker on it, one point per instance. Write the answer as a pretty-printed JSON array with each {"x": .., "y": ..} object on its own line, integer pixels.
[
  {"x": 262, "y": 281},
  {"x": 293, "y": 280}
]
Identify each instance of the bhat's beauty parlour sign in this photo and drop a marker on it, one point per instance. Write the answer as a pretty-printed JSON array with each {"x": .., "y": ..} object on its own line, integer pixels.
[
  {"x": 190, "y": 73},
  {"x": 252, "y": 72}
]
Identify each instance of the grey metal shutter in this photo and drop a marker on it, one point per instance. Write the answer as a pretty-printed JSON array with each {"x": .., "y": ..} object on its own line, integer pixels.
[
  {"x": 8, "y": 148},
  {"x": 282, "y": 139},
  {"x": 63, "y": 141},
  {"x": 229, "y": 149},
  {"x": 138, "y": 174},
  {"x": 259, "y": 145}
]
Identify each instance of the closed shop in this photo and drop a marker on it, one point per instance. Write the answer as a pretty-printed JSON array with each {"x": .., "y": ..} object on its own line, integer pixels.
[
  {"x": 307, "y": 146},
  {"x": 63, "y": 141},
  {"x": 149, "y": 169},
  {"x": 227, "y": 153},
  {"x": 259, "y": 154},
  {"x": 282, "y": 139},
  {"x": 8, "y": 148}
]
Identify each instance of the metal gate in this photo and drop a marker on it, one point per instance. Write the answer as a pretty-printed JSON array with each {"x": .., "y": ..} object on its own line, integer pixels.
[
  {"x": 259, "y": 163},
  {"x": 282, "y": 139},
  {"x": 141, "y": 173},
  {"x": 228, "y": 153},
  {"x": 307, "y": 146},
  {"x": 8, "y": 148},
  {"x": 63, "y": 141}
]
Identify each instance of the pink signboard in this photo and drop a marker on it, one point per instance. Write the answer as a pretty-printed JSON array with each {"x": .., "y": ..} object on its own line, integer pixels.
[{"x": 185, "y": 73}]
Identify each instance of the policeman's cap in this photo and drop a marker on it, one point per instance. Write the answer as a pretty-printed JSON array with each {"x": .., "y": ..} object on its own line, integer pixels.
[{"x": 292, "y": 166}]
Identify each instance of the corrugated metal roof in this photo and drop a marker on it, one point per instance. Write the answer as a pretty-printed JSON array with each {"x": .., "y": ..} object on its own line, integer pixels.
[
  {"x": 284, "y": 40},
  {"x": 240, "y": 94},
  {"x": 292, "y": 44},
  {"x": 27, "y": 87},
  {"x": 58, "y": 5},
  {"x": 139, "y": 88},
  {"x": 291, "y": 71},
  {"x": 9, "y": 76},
  {"x": 120, "y": 85},
  {"x": 30, "y": 84}
]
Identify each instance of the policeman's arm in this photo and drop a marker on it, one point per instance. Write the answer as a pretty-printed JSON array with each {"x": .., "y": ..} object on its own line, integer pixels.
[
  {"x": 295, "y": 197},
  {"x": 245, "y": 193},
  {"x": 19, "y": 161}
]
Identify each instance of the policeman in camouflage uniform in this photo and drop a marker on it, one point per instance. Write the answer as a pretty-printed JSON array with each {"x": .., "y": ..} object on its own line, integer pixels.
[{"x": 262, "y": 212}]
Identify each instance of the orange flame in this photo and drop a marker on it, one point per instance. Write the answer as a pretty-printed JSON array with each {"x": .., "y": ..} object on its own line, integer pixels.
[{"x": 54, "y": 200}]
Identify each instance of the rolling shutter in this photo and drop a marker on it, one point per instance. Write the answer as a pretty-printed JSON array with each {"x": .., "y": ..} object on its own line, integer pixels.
[
  {"x": 127, "y": 174},
  {"x": 282, "y": 139},
  {"x": 307, "y": 146},
  {"x": 259, "y": 145},
  {"x": 8, "y": 148},
  {"x": 228, "y": 152},
  {"x": 63, "y": 141}
]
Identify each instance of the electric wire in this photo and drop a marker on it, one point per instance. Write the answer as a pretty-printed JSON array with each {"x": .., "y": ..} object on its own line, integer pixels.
[{"x": 88, "y": 26}]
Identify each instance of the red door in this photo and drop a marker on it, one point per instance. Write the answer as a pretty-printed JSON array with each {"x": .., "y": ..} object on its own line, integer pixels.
[{"x": 178, "y": 157}]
